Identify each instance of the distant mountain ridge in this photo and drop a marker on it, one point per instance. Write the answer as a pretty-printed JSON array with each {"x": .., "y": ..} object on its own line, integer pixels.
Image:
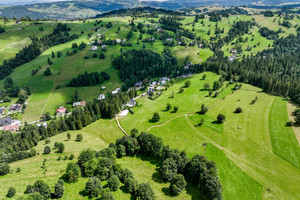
[{"x": 75, "y": 9}]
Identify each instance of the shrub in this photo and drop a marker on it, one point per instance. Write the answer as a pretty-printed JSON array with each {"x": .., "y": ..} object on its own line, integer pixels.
[
  {"x": 187, "y": 83},
  {"x": 47, "y": 150},
  {"x": 175, "y": 109},
  {"x": 79, "y": 137},
  {"x": 131, "y": 185},
  {"x": 238, "y": 110},
  {"x": 178, "y": 184},
  {"x": 145, "y": 192},
  {"x": 93, "y": 187},
  {"x": 47, "y": 72},
  {"x": 155, "y": 117},
  {"x": 73, "y": 172},
  {"x": 60, "y": 147},
  {"x": 4, "y": 169},
  {"x": 58, "y": 190},
  {"x": 113, "y": 183},
  {"x": 11, "y": 192},
  {"x": 221, "y": 118}
]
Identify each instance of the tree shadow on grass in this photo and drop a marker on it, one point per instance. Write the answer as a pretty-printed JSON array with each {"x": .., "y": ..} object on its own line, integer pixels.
[
  {"x": 216, "y": 122},
  {"x": 157, "y": 177},
  {"x": 167, "y": 192},
  {"x": 84, "y": 193},
  {"x": 149, "y": 159},
  {"x": 125, "y": 191},
  {"x": 194, "y": 191}
]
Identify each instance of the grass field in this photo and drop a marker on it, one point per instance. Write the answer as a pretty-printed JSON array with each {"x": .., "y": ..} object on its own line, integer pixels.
[
  {"x": 96, "y": 136},
  {"x": 244, "y": 138},
  {"x": 257, "y": 156}
]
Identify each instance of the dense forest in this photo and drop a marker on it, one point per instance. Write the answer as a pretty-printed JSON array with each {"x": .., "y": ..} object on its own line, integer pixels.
[
  {"x": 139, "y": 11},
  {"x": 58, "y": 36},
  {"x": 137, "y": 65},
  {"x": 89, "y": 79},
  {"x": 275, "y": 70}
]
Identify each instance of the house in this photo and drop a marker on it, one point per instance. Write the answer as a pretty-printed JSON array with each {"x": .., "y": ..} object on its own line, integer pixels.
[
  {"x": 2, "y": 111},
  {"x": 61, "y": 110},
  {"x": 80, "y": 103},
  {"x": 93, "y": 42},
  {"x": 9, "y": 124},
  {"x": 159, "y": 29},
  {"x": 232, "y": 50},
  {"x": 6, "y": 121},
  {"x": 103, "y": 88},
  {"x": 94, "y": 48},
  {"x": 118, "y": 40},
  {"x": 88, "y": 43},
  {"x": 154, "y": 83},
  {"x": 150, "y": 90},
  {"x": 99, "y": 34},
  {"x": 42, "y": 124},
  {"x": 124, "y": 113},
  {"x": 116, "y": 91},
  {"x": 103, "y": 47},
  {"x": 15, "y": 107},
  {"x": 169, "y": 39},
  {"x": 200, "y": 46},
  {"x": 164, "y": 80},
  {"x": 12, "y": 128},
  {"x": 138, "y": 84},
  {"x": 131, "y": 103},
  {"x": 232, "y": 57},
  {"x": 101, "y": 97}
]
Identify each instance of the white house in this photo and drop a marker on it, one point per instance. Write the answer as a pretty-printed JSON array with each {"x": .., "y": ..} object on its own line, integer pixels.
[
  {"x": 80, "y": 103},
  {"x": 104, "y": 47},
  {"x": 116, "y": 91},
  {"x": 94, "y": 48},
  {"x": 124, "y": 113},
  {"x": 131, "y": 103},
  {"x": 103, "y": 88},
  {"x": 101, "y": 97}
]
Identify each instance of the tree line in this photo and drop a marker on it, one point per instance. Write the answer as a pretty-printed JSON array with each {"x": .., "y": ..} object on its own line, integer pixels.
[
  {"x": 28, "y": 53},
  {"x": 137, "y": 65},
  {"x": 89, "y": 79},
  {"x": 175, "y": 167}
]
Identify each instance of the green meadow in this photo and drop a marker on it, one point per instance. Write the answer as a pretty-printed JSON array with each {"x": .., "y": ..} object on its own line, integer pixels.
[{"x": 257, "y": 156}]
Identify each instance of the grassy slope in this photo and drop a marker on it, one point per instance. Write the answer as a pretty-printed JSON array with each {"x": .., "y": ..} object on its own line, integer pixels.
[
  {"x": 245, "y": 137},
  {"x": 96, "y": 136},
  {"x": 145, "y": 171},
  {"x": 13, "y": 40},
  {"x": 283, "y": 139}
]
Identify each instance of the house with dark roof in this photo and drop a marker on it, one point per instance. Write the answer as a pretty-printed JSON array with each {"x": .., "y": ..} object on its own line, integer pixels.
[
  {"x": 6, "y": 121},
  {"x": 16, "y": 107},
  {"x": 131, "y": 103},
  {"x": 2, "y": 111}
]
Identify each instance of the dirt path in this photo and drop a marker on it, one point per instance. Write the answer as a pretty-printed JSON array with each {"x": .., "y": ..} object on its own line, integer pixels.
[
  {"x": 158, "y": 125},
  {"x": 290, "y": 108},
  {"x": 119, "y": 125}
]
